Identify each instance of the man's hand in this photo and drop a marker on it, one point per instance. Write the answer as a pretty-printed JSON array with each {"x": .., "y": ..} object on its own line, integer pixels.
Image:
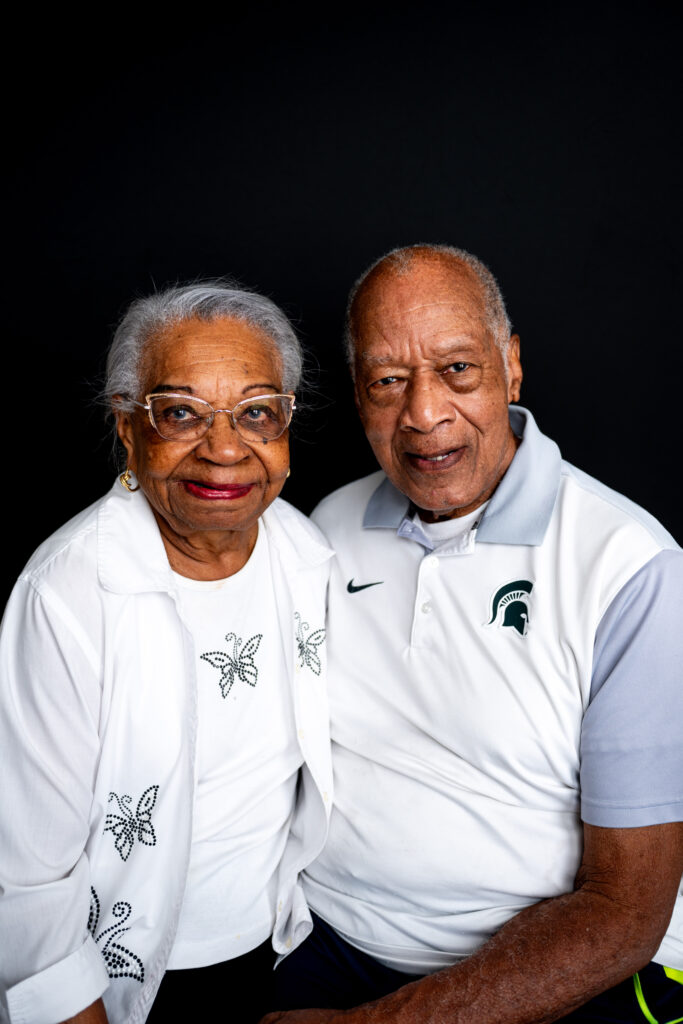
[{"x": 557, "y": 954}]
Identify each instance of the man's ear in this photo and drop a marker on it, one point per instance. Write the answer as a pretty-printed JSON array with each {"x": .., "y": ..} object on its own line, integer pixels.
[
  {"x": 514, "y": 369},
  {"x": 354, "y": 383}
]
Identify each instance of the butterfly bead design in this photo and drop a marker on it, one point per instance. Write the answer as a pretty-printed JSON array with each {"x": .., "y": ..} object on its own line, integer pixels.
[
  {"x": 239, "y": 664},
  {"x": 120, "y": 962},
  {"x": 127, "y": 826},
  {"x": 307, "y": 645}
]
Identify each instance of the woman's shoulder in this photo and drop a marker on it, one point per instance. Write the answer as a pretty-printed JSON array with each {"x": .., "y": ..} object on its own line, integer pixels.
[
  {"x": 290, "y": 527},
  {"x": 73, "y": 544}
]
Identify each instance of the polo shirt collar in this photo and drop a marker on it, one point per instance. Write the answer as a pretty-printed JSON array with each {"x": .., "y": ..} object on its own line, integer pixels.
[{"x": 521, "y": 506}]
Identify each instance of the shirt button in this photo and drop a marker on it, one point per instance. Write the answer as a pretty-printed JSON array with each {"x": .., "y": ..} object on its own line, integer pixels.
[
  {"x": 301, "y": 734},
  {"x": 427, "y": 607},
  {"x": 288, "y": 944},
  {"x": 433, "y": 562}
]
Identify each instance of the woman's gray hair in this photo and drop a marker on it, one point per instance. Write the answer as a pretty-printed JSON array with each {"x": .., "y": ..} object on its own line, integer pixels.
[
  {"x": 402, "y": 260},
  {"x": 205, "y": 300}
]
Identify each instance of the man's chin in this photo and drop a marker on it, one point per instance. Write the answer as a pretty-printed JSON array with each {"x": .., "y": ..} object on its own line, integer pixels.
[
  {"x": 434, "y": 504},
  {"x": 430, "y": 493}
]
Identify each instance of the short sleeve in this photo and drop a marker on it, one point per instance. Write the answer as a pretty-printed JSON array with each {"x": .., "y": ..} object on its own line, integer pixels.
[{"x": 631, "y": 738}]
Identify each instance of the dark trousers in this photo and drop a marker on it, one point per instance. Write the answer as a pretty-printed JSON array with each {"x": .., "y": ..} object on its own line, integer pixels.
[
  {"x": 326, "y": 972},
  {"x": 239, "y": 991}
]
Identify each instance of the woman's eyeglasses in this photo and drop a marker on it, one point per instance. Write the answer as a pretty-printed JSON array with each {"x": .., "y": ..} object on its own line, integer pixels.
[{"x": 177, "y": 417}]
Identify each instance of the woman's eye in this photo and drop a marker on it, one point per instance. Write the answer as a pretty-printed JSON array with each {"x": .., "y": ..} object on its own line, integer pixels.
[
  {"x": 180, "y": 413},
  {"x": 255, "y": 412}
]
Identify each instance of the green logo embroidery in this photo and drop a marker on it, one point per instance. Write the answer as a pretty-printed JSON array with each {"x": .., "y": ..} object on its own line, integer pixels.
[{"x": 510, "y": 606}]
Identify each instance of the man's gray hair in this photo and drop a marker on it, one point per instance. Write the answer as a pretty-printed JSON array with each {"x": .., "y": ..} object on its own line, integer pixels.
[
  {"x": 205, "y": 300},
  {"x": 402, "y": 260}
]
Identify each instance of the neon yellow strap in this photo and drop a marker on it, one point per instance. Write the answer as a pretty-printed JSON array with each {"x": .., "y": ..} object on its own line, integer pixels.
[
  {"x": 641, "y": 1001},
  {"x": 670, "y": 972}
]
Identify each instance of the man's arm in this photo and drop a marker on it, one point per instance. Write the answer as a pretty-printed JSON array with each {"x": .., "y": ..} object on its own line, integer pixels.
[{"x": 555, "y": 955}]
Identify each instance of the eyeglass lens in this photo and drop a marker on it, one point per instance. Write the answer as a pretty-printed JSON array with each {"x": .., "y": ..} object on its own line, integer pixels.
[{"x": 185, "y": 418}]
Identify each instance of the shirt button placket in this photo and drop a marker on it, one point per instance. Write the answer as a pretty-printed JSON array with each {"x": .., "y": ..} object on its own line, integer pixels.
[{"x": 429, "y": 565}]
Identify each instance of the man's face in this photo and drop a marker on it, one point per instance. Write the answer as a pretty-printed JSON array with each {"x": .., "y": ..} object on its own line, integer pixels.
[{"x": 431, "y": 386}]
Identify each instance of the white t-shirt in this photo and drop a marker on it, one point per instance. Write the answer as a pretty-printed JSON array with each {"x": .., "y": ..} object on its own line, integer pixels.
[
  {"x": 247, "y": 764},
  {"x": 448, "y": 529}
]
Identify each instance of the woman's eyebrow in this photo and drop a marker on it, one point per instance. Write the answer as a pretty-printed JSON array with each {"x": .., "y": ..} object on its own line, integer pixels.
[
  {"x": 252, "y": 387},
  {"x": 190, "y": 391},
  {"x": 171, "y": 387}
]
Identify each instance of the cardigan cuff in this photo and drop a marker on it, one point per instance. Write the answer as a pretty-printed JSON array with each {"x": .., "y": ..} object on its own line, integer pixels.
[{"x": 60, "y": 991}]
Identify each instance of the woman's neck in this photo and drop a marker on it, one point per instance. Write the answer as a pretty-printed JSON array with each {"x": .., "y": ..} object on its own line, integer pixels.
[{"x": 208, "y": 555}]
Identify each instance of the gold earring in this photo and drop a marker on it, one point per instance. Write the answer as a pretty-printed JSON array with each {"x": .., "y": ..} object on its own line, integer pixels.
[
  {"x": 125, "y": 480},
  {"x": 288, "y": 474}
]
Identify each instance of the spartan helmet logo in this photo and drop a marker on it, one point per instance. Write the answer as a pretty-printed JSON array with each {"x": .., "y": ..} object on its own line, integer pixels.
[{"x": 510, "y": 606}]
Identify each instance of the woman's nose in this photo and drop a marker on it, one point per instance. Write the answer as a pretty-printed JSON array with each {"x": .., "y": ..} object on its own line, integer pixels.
[{"x": 222, "y": 441}]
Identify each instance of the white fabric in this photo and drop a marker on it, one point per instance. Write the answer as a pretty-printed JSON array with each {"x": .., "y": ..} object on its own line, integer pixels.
[
  {"x": 456, "y": 735},
  {"x": 247, "y": 763},
  {"x": 98, "y": 697},
  {"x": 448, "y": 529}
]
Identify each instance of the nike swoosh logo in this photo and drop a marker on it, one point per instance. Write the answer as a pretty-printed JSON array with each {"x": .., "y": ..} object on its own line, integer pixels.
[{"x": 353, "y": 589}]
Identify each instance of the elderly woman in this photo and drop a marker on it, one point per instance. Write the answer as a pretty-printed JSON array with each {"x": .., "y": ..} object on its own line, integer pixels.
[{"x": 163, "y": 720}]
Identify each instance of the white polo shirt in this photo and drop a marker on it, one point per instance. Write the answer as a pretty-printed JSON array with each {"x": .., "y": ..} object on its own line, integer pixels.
[{"x": 487, "y": 694}]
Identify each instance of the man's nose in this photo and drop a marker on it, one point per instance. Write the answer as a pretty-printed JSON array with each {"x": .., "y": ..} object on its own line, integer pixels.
[{"x": 428, "y": 402}]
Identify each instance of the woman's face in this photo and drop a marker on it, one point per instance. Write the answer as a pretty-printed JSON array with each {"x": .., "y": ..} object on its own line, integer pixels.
[{"x": 219, "y": 482}]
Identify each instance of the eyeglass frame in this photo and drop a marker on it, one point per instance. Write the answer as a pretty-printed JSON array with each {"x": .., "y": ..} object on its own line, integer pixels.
[{"x": 244, "y": 401}]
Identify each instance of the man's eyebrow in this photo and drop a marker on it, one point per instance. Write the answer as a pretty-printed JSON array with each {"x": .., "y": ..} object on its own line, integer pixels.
[
  {"x": 170, "y": 387},
  {"x": 445, "y": 352}
]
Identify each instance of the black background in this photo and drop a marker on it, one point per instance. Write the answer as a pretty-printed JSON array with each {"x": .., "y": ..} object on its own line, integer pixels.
[{"x": 290, "y": 150}]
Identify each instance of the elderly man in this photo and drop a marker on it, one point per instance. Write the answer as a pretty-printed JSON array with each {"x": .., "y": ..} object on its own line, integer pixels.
[{"x": 506, "y": 654}]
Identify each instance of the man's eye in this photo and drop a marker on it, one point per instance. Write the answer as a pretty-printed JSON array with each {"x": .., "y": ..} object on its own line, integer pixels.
[
  {"x": 384, "y": 381},
  {"x": 457, "y": 368}
]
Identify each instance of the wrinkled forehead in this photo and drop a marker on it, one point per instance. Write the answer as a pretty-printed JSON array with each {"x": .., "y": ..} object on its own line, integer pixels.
[
  {"x": 429, "y": 295},
  {"x": 224, "y": 345}
]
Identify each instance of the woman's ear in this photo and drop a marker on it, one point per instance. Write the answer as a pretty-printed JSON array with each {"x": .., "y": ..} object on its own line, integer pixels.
[{"x": 125, "y": 431}]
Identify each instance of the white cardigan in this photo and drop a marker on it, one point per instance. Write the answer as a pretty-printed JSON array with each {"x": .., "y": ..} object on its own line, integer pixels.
[{"x": 98, "y": 697}]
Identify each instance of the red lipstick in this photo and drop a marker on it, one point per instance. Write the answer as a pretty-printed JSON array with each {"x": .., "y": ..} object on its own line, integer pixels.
[{"x": 216, "y": 492}]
